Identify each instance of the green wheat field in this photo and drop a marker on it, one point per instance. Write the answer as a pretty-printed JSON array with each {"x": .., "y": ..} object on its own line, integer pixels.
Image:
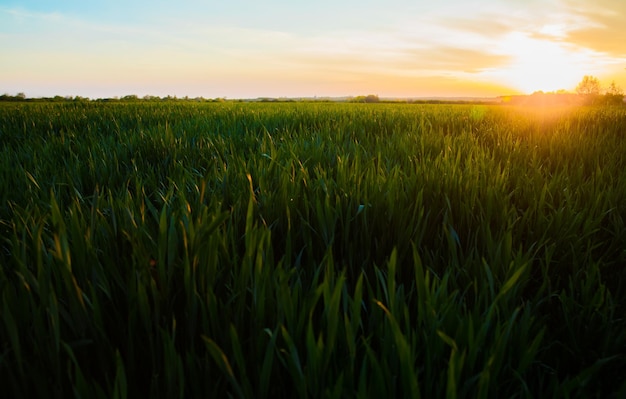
[{"x": 266, "y": 250}]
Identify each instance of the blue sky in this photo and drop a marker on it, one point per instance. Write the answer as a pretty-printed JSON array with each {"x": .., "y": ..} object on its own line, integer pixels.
[{"x": 243, "y": 49}]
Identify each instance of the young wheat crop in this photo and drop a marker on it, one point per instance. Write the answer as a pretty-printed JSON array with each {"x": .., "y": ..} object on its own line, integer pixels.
[{"x": 184, "y": 249}]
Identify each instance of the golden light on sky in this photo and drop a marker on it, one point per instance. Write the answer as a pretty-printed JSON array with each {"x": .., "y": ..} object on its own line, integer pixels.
[
  {"x": 539, "y": 64},
  {"x": 246, "y": 48}
]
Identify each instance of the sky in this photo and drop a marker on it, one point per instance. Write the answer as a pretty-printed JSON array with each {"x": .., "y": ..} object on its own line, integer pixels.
[{"x": 272, "y": 48}]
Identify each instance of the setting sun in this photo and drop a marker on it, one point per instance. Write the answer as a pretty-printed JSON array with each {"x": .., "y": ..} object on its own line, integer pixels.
[{"x": 544, "y": 65}]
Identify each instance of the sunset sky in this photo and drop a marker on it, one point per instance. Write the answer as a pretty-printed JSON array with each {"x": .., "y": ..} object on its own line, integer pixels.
[{"x": 248, "y": 49}]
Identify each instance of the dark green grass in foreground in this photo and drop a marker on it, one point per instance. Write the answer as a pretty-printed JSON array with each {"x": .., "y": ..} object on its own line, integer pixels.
[{"x": 311, "y": 250}]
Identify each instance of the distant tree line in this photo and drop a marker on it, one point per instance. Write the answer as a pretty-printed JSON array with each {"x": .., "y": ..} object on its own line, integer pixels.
[
  {"x": 127, "y": 98},
  {"x": 588, "y": 92}
]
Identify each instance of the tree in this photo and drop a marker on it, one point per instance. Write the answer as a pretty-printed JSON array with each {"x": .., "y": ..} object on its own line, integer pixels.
[
  {"x": 18, "y": 97},
  {"x": 614, "y": 90},
  {"x": 614, "y": 94},
  {"x": 590, "y": 85}
]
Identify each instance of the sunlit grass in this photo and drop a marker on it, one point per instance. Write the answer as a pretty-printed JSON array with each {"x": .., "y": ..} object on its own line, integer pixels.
[{"x": 311, "y": 250}]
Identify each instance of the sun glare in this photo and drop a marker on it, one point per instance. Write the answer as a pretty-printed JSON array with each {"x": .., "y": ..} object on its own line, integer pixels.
[{"x": 541, "y": 64}]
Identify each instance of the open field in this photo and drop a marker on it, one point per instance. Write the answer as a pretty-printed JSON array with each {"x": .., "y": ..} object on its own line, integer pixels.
[{"x": 185, "y": 249}]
